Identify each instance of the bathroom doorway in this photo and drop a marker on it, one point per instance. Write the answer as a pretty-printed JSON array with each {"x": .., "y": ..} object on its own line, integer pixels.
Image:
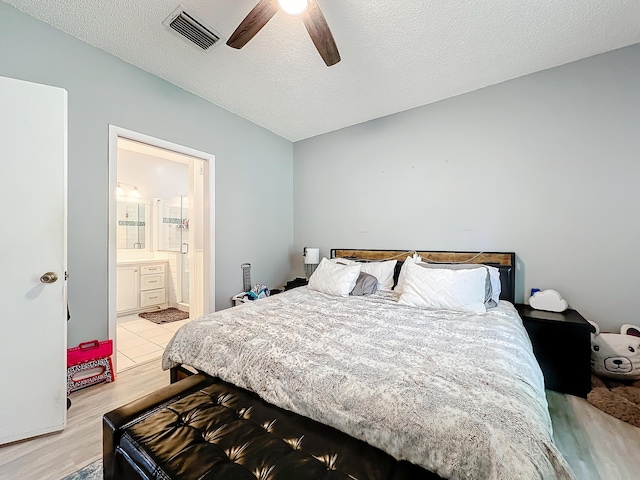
[{"x": 159, "y": 246}]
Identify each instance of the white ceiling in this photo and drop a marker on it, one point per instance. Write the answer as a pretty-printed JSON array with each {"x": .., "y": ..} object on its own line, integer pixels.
[{"x": 396, "y": 54}]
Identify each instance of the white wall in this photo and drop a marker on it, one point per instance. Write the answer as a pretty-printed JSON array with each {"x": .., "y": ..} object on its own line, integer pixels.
[
  {"x": 155, "y": 177},
  {"x": 253, "y": 166},
  {"x": 547, "y": 165}
]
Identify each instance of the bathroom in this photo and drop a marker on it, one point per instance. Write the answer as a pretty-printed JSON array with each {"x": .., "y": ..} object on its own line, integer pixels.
[{"x": 159, "y": 205}]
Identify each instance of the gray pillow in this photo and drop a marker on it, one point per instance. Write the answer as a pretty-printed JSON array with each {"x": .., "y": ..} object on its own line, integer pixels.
[
  {"x": 365, "y": 285},
  {"x": 488, "y": 301}
]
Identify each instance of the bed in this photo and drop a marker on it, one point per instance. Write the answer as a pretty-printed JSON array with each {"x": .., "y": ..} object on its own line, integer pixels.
[{"x": 457, "y": 393}]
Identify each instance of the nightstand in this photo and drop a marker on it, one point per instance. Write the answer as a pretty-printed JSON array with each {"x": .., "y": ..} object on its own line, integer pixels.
[
  {"x": 242, "y": 298},
  {"x": 239, "y": 299},
  {"x": 296, "y": 282},
  {"x": 562, "y": 345}
]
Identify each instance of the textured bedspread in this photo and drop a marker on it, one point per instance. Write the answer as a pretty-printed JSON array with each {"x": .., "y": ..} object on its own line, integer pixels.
[{"x": 459, "y": 394}]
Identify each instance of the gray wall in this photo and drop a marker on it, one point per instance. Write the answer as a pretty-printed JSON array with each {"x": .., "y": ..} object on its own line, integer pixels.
[
  {"x": 253, "y": 168},
  {"x": 546, "y": 165}
]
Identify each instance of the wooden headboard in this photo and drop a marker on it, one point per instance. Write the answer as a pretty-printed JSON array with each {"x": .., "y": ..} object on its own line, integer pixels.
[{"x": 504, "y": 261}]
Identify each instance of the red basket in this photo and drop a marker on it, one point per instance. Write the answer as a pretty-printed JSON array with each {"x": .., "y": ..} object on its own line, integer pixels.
[{"x": 88, "y": 351}]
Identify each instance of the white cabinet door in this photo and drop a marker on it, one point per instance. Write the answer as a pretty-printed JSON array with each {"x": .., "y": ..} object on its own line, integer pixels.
[
  {"x": 33, "y": 322},
  {"x": 127, "y": 288}
]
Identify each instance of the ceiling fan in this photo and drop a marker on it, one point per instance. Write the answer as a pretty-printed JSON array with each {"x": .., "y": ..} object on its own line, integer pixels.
[{"x": 312, "y": 17}]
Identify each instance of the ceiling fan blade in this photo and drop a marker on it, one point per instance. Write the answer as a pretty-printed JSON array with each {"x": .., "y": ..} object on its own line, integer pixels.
[
  {"x": 252, "y": 23},
  {"x": 320, "y": 33}
]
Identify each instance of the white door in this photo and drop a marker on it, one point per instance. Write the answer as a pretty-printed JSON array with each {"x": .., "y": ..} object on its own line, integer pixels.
[{"x": 33, "y": 322}]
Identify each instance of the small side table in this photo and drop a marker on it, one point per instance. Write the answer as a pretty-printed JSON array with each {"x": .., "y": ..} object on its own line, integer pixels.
[
  {"x": 562, "y": 345},
  {"x": 239, "y": 299},
  {"x": 242, "y": 298},
  {"x": 296, "y": 282}
]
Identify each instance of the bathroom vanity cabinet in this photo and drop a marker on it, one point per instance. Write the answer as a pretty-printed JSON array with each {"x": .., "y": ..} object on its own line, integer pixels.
[
  {"x": 140, "y": 286},
  {"x": 127, "y": 288}
]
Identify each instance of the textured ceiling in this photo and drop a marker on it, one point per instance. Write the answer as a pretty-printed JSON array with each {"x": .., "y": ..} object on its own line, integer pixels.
[{"x": 396, "y": 54}]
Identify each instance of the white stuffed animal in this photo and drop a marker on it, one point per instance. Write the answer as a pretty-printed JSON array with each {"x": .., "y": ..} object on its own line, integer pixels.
[{"x": 616, "y": 355}]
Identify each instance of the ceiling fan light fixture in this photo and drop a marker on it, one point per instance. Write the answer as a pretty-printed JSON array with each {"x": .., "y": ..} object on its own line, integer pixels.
[
  {"x": 293, "y": 7},
  {"x": 313, "y": 20}
]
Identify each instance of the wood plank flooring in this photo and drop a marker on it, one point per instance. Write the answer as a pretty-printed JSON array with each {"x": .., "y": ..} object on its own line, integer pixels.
[
  {"x": 596, "y": 445},
  {"x": 56, "y": 455}
]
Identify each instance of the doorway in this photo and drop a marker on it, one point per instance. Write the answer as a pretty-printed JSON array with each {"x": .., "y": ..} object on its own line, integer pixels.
[{"x": 159, "y": 242}]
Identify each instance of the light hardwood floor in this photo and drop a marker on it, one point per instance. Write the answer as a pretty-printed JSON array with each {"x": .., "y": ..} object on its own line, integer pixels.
[
  {"x": 57, "y": 455},
  {"x": 596, "y": 445}
]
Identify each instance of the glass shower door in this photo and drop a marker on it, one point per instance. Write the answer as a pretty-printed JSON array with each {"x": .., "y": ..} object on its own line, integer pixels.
[{"x": 174, "y": 237}]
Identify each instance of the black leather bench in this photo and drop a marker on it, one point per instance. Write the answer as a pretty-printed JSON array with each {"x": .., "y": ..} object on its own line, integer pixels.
[{"x": 204, "y": 428}]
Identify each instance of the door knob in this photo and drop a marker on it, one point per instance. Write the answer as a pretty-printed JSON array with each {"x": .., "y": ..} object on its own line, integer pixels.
[{"x": 49, "y": 277}]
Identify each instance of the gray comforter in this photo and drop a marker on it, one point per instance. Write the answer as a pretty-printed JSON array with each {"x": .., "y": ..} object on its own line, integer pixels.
[{"x": 459, "y": 394}]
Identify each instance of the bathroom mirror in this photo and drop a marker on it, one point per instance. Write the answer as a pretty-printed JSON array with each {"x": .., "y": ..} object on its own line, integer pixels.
[{"x": 133, "y": 221}]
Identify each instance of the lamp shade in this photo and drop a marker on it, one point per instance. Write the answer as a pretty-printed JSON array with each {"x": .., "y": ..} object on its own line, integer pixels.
[
  {"x": 311, "y": 260},
  {"x": 311, "y": 256}
]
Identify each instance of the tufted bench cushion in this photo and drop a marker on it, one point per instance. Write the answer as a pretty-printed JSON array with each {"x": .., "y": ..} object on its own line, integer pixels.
[{"x": 204, "y": 428}]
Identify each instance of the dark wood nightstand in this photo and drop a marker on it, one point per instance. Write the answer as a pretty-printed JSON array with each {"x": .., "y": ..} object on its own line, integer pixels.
[
  {"x": 296, "y": 282},
  {"x": 562, "y": 346}
]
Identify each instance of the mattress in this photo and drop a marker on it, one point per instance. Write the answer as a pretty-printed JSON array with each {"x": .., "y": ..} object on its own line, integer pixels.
[{"x": 459, "y": 394}]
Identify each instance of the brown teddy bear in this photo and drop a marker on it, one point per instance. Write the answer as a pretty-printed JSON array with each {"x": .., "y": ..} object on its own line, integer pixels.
[{"x": 615, "y": 358}]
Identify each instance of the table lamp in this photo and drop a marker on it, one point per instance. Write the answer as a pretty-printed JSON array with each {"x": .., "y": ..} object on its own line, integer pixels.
[{"x": 311, "y": 260}]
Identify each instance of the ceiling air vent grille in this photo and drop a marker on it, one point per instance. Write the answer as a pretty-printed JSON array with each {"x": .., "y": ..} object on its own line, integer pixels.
[{"x": 191, "y": 29}]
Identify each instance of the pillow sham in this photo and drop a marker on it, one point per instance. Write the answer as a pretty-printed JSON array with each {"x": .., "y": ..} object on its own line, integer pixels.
[
  {"x": 403, "y": 271},
  {"x": 334, "y": 279},
  {"x": 365, "y": 285},
  {"x": 342, "y": 261},
  {"x": 444, "y": 289},
  {"x": 383, "y": 271},
  {"x": 489, "y": 302},
  {"x": 496, "y": 286}
]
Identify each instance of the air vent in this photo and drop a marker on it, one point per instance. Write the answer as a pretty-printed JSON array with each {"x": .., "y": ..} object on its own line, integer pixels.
[{"x": 191, "y": 28}]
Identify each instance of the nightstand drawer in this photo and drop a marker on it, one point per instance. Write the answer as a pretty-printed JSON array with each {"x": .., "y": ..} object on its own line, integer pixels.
[{"x": 552, "y": 339}]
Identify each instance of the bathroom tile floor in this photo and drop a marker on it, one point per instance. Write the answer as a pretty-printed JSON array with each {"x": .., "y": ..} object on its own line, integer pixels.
[{"x": 140, "y": 340}]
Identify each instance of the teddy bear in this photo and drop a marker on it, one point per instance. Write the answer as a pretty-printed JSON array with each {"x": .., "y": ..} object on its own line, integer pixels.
[
  {"x": 615, "y": 362},
  {"x": 616, "y": 355}
]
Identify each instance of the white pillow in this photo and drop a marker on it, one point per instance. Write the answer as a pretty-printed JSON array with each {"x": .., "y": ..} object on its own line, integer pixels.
[
  {"x": 334, "y": 279},
  {"x": 496, "y": 286},
  {"x": 383, "y": 271},
  {"x": 439, "y": 289},
  {"x": 488, "y": 284},
  {"x": 342, "y": 261},
  {"x": 403, "y": 271}
]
